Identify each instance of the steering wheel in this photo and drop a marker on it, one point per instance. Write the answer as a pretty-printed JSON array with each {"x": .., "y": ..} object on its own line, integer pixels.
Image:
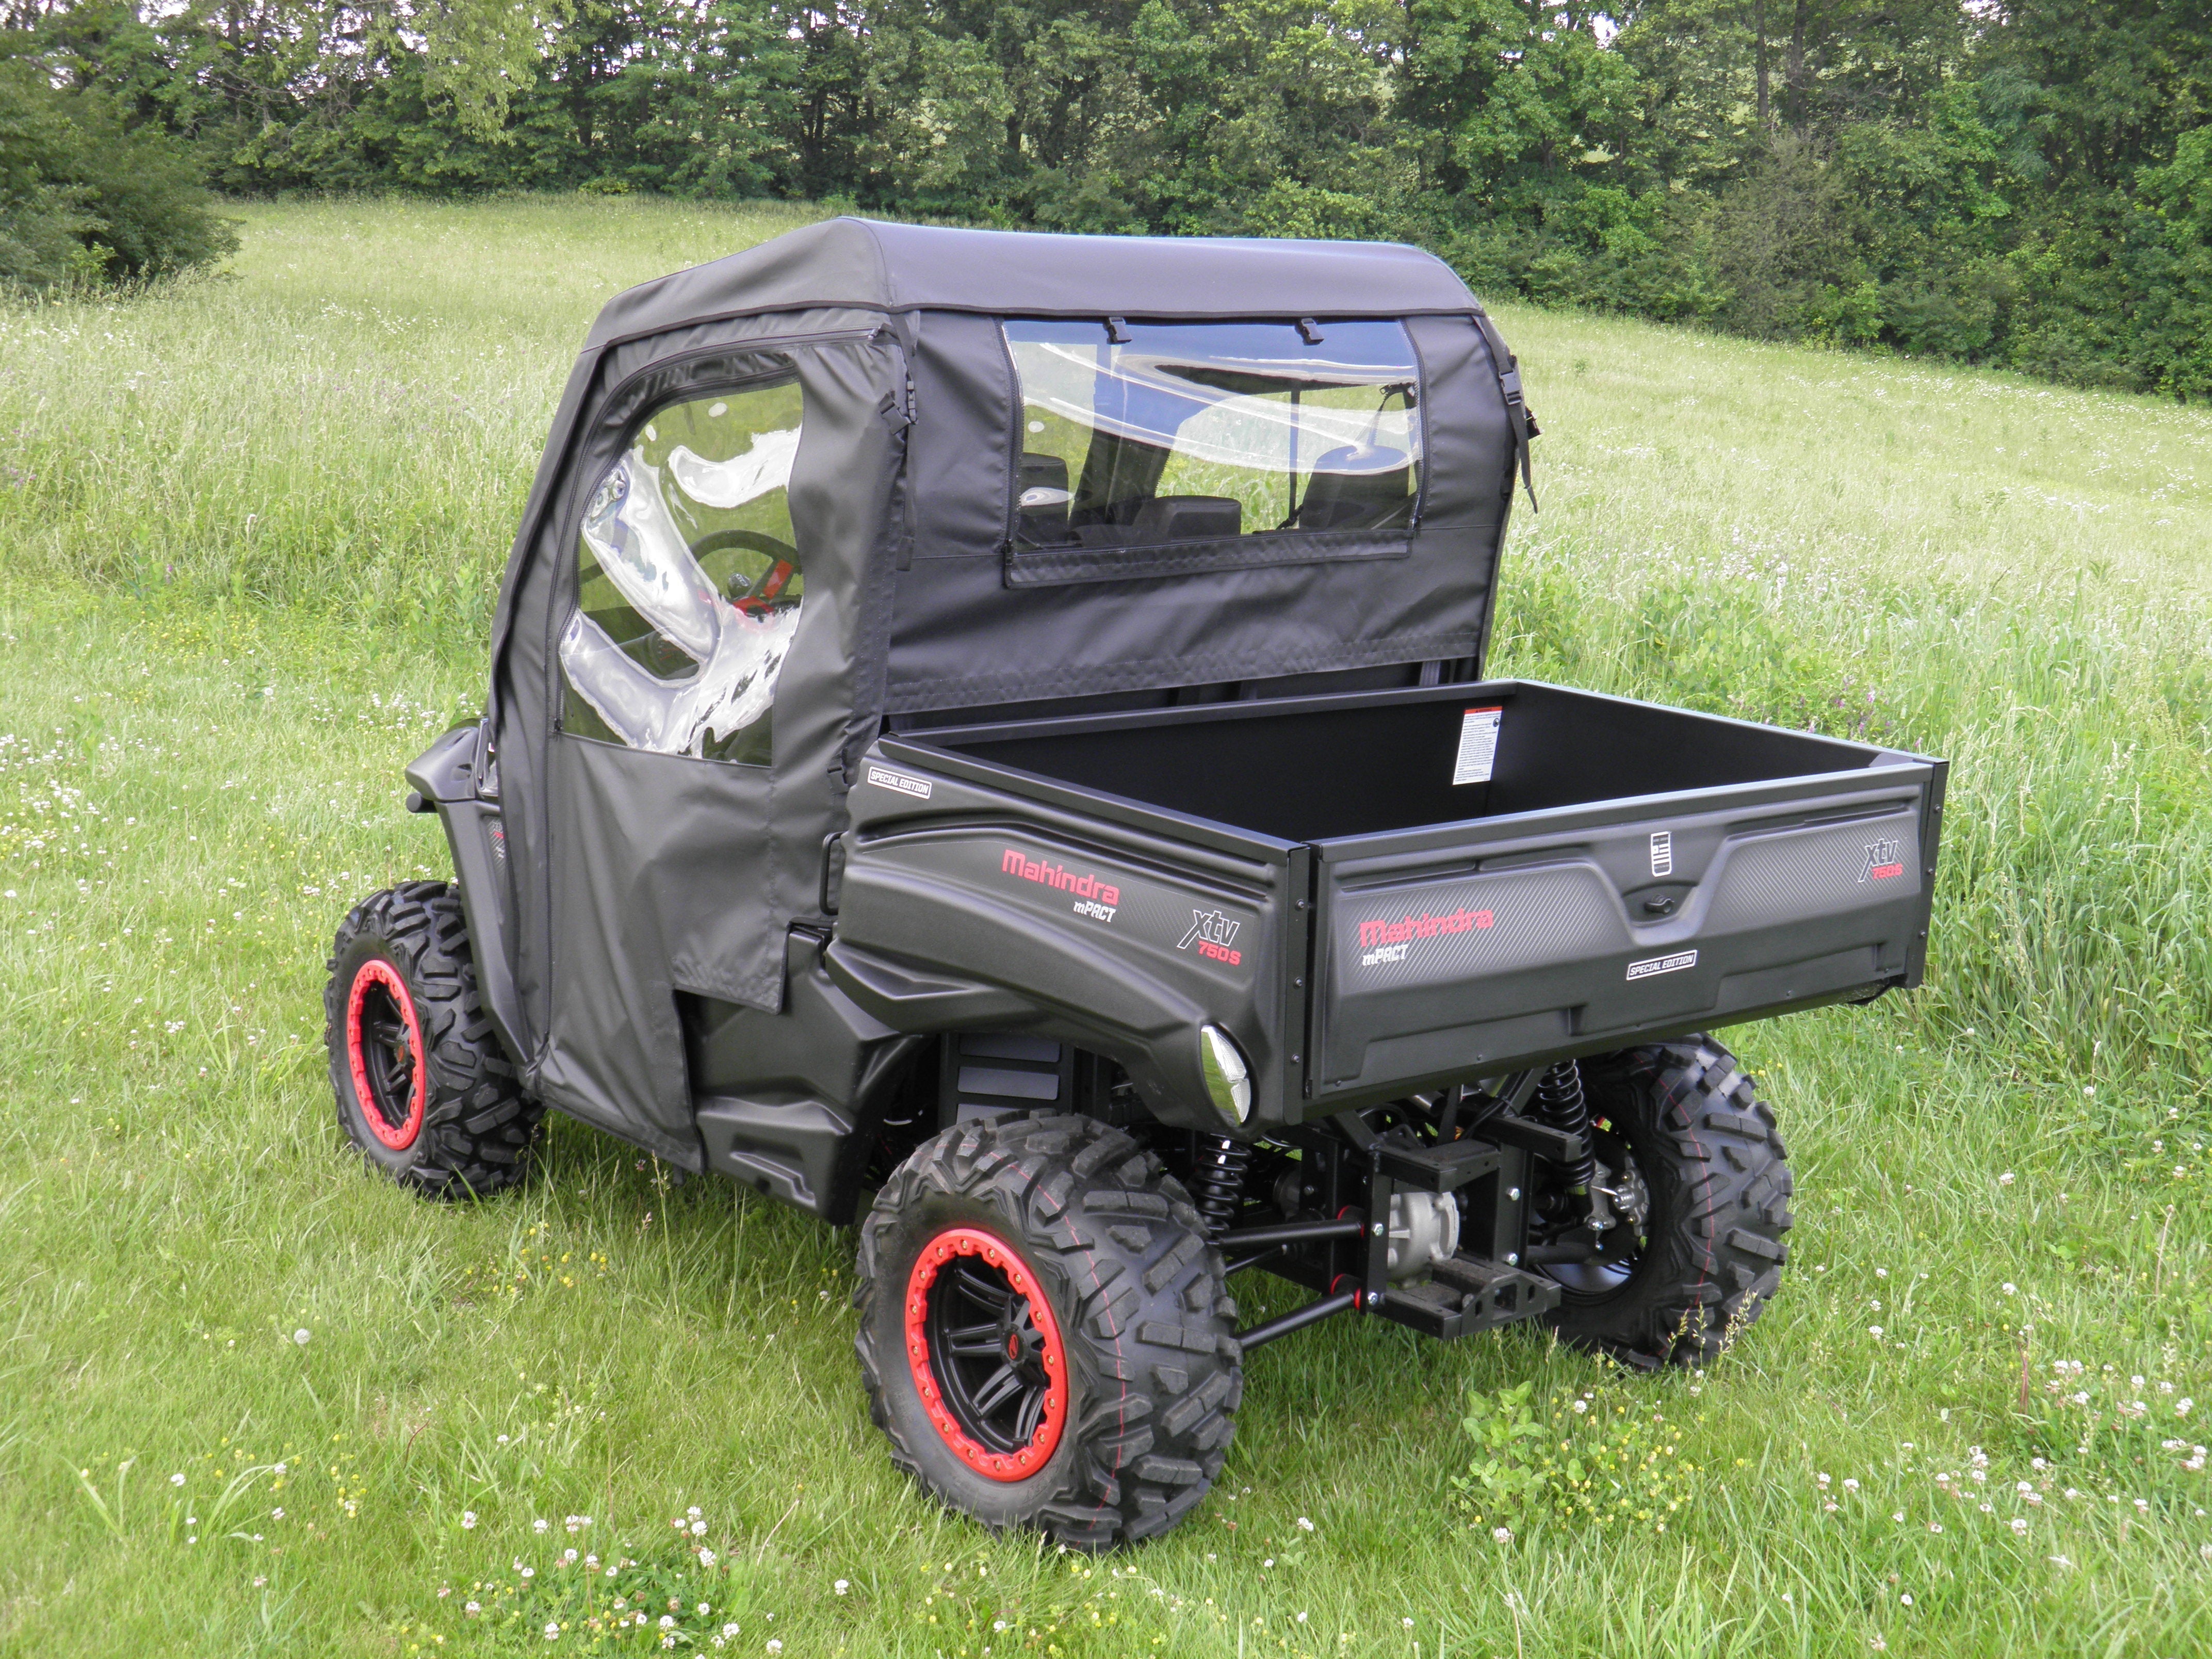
[{"x": 765, "y": 594}]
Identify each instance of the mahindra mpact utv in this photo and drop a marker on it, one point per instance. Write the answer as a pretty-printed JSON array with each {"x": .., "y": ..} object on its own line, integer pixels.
[{"x": 987, "y": 737}]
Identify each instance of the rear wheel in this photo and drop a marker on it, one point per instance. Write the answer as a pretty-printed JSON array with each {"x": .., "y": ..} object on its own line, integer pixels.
[
  {"x": 1044, "y": 1333},
  {"x": 423, "y": 1087},
  {"x": 1694, "y": 1179}
]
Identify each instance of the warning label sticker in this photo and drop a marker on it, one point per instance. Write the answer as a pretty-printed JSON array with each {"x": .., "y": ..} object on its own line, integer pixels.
[{"x": 1477, "y": 745}]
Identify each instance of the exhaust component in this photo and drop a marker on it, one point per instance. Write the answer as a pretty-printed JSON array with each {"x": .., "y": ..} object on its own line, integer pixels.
[{"x": 1228, "y": 1078}]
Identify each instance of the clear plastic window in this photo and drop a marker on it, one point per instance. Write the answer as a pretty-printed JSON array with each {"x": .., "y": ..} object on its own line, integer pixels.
[
  {"x": 1137, "y": 433},
  {"x": 688, "y": 581}
]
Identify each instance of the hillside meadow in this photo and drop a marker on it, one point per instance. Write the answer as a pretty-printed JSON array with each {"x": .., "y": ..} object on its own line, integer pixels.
[{"x": 253, "y": 1401}]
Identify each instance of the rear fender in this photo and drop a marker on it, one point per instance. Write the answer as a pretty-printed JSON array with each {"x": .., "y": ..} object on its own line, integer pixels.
[{"x": 964, "y": 908}]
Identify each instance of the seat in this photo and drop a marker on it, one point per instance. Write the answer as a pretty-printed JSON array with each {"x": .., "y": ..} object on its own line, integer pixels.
[
  {"x": 1187, "y": 518},
  {"x": 1041, "y": 501},
  {"x": 1346, "y": 492}
]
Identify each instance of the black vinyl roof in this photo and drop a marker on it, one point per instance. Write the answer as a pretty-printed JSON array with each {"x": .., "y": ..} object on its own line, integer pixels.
[{"x": 870, "y": 264}]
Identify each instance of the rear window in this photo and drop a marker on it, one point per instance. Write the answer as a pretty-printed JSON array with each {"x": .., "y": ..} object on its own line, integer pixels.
[{"x": 1134, "y": 435}]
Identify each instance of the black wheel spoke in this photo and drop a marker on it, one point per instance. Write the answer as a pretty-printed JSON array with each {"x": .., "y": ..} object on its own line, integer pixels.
[
  {"x": 1031, "y": 1412},
  {"x": 1003, "y": 1385},
  {"x": 983, "y": 1292}
]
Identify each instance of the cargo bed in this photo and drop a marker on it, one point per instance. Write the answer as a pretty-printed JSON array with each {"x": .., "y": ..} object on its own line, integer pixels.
[{"x": 1417, "y": 886}]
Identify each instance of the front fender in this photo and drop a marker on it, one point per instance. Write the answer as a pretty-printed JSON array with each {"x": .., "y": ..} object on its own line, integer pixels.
[{"x": 443, "y": 778}]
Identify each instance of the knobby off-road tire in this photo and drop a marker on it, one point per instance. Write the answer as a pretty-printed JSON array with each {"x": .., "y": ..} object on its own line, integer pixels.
[
  {"x": 1715, "y": 1166},
  {"x": 424, "y": 1088},
  {"x": 1134, "y": 1302}
]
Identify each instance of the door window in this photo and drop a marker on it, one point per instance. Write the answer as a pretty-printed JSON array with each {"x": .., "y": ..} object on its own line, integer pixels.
[
  {"x": 1137, "y": 433},
  {"x": 689, "y": 585}
]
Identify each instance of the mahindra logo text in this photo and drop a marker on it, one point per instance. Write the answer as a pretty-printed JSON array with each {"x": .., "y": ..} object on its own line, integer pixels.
[
  {"x": 1425, "y": 926},
  {"x": 1213, "y": 933},
  {"x": 1094, "y": 897}
]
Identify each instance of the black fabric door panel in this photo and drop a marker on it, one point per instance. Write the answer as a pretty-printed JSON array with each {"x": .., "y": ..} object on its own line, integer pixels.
[
  {"x": 664, "y": 879},
  {"x": 669, "y": 872}
]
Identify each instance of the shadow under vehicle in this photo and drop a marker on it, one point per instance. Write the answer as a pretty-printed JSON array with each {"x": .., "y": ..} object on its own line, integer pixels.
[{"x": 997, "y": 723}]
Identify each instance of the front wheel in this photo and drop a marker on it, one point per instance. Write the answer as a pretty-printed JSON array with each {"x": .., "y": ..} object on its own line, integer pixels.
[
  {"x": 1045, "y": 1336},
  {"x": 1693, "y": 1181},
  {"x": 424, "y": 1088}
]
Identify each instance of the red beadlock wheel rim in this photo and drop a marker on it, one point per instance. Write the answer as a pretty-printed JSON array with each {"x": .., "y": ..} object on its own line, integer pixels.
[
  {"x": 384, "y": 1046},
  {"x": 985, "y": 1353}
]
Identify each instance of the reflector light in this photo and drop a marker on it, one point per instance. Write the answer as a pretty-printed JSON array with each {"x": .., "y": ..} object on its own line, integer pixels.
[{"x": 1228, "y": 1078}]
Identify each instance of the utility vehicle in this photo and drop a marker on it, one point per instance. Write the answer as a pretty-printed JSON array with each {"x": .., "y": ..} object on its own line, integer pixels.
[{"x": 997, "y": 722}]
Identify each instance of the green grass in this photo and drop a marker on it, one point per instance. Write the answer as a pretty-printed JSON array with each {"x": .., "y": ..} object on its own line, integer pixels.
[{"x": 249, "y": 534}]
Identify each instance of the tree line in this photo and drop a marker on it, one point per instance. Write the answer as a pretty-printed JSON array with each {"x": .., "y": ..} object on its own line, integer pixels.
[{"x": 2020, "y": 182}]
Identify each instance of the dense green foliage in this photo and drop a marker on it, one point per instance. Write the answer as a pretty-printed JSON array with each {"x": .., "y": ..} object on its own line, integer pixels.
[
  {"x": 84, "y": 199},
  {"x": 2026, "y": 182}
]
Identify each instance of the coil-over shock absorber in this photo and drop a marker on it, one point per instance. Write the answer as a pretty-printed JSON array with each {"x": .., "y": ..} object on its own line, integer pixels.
[
  {"x": 1560, "y": 1103},
  {"x": 1217, "y": 1180}
]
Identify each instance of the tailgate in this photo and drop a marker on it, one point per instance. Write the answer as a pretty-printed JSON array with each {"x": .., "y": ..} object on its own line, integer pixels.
[{"x": 1479, "y": 947}]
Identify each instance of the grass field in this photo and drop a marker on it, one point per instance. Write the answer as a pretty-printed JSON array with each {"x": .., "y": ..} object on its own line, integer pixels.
[{"x": 252, "y": 1401}]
